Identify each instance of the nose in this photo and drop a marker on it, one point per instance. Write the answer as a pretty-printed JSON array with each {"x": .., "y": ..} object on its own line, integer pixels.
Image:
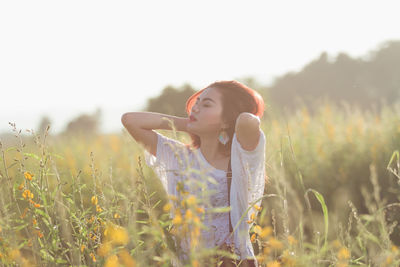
[{"x": 195, "y": 108}]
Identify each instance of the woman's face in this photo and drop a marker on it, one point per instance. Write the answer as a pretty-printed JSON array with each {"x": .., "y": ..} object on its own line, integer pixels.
[{"x": 208, "y": 113}]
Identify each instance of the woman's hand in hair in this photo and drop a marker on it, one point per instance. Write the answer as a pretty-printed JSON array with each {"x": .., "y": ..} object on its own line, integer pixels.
[
  {"x": 140, "y": 126},
  {"x": 247, "y": 130}
]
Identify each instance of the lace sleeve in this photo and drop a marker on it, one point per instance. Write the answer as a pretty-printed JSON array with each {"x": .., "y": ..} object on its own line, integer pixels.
[
  {"x": 166, "y": 162},
  {"x": 252, "y": 169}
]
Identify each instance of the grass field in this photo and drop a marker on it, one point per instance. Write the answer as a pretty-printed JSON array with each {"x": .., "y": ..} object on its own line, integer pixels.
[{"x": 332, "y": 197}]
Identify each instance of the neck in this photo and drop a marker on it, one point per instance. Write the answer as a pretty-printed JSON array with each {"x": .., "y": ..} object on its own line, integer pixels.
[{"x": 209, "y": 148}]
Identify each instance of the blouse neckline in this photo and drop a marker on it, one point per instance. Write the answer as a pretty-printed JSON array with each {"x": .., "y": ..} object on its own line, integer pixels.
[{"x": 208, "y": 164}]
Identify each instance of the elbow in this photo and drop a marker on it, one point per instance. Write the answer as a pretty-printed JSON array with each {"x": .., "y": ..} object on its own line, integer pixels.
[
  {"x": 126, "y": 118},
  {"x": 248, "y": 119},
  {"x": 123, "y": 118}
]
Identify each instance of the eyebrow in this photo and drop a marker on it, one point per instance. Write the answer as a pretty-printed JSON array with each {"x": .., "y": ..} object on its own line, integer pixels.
[{"x": 207, "y": 98}]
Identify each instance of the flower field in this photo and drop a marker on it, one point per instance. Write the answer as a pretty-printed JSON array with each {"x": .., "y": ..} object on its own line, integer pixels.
[{"x": 332, "y": 197}]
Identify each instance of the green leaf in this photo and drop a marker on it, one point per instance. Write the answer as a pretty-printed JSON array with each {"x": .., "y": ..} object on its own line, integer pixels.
[
  {"x": 56, "y": 155},
  {"x": 155, "y": 205},
  {"x": 220, "y": 209},
  {"x": 140, "y": 211},
  {"x": 321, "y": 200},
  {"x": 10, "y": 148},
  {"x": 19, "y": 227},
  {"x": 32, "y": 155}
]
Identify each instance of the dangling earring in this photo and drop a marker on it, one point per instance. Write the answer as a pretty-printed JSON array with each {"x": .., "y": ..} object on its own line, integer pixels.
[{"x": 223, "y": 137}]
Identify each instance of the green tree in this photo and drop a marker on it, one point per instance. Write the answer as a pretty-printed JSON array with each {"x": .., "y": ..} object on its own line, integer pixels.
[{"x": 172, "y": 100}]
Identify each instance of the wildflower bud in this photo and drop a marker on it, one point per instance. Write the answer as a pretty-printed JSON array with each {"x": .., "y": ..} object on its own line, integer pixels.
[
  {"x": 21, "y": 186},
  {"x": 253, "y": 238},
  {"x": 98, "y": 208},
  {"x": 200, "y": 209},
  {"x": 28, "y": 176},
  {"x": 93, "y": 257},
  {"x": 94, "y": 200},
  {"x": 188, "y": 214},
  {"x": 191, "y": 200},
  {"x": 257, "y": 207},
  {"x": 167, "y": 207},
  {"x": 177, "y": 219},
  {"x": 266, "y": 231}
]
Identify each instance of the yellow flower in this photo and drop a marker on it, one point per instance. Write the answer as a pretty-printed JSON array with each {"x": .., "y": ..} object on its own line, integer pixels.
[
  {"x": 275, "y": 243},
  {"x": 28, "y": 176},
  {"x": 82, "y": 248},
  {"x": 167, "y": 207},
  {"x": 94, "y": 200},
  {"x": 200, "y": 209},
  {"x": 112, "y": 261},
  {"x": 292, "y": 240},
  {"x": 196, "y": 219},
  {"x": 21, "y": 186},
  {"x": 117, "y": 234},
  {"x": 389, "y": 260},
  {"x": 252, "y": 216},
  {"x": 343, "y": 253},
  {"x": 34, "y": 221},
  {"x": 266, "y": 231},
  {"x": 172, "y": 197},
  {"x": 288, "y": 259},
  {"x": 257, "y": 207},
  {"x": 116, "y": 216},
  {"x": 266, "y": 250},
  {"x": 191, "y": 200},
  {"x": 93, "y": 257},
  {"x": 98, "y": 208},
  {"x": 253, "y": 238},
  {"x": 126, "y": 258},
  {"x": 104, "y": 249},
  {"x": 40, "y": 235},
  {"x": 195, "y": 263},
  {"x": 36, "y": 205},
  {"x": 188, "y": 214},
  {"x": 27, "y": 194},
  {"x": 177, "y": 219},
  {"x": 273, "y": 264}
]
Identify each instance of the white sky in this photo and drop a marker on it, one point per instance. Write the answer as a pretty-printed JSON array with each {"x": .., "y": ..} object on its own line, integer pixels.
[{"x": 63, "y": 58}]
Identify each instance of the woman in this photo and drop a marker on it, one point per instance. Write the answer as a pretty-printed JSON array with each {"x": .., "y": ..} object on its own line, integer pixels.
[{"x": 224, "y": 125}]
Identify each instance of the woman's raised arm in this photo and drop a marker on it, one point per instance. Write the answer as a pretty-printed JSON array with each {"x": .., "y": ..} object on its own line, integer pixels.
[{"x": 140, "y": 126}]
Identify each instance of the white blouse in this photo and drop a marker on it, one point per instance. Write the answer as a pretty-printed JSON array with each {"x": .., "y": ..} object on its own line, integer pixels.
[{"x": 174, "y": 162}]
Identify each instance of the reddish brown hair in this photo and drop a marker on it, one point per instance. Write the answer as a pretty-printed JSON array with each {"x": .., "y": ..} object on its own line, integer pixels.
[{"x": 236, "y": 98}]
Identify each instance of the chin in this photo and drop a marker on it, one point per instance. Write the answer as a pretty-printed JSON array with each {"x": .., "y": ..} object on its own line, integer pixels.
[{"x": 191, "y": 130}]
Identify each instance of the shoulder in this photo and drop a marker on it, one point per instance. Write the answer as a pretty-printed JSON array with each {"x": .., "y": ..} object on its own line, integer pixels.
[{"x": 164, "y": 140}]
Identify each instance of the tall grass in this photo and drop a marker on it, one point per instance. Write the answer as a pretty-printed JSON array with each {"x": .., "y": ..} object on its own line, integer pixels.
[{"x": 331, "y": 199}]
